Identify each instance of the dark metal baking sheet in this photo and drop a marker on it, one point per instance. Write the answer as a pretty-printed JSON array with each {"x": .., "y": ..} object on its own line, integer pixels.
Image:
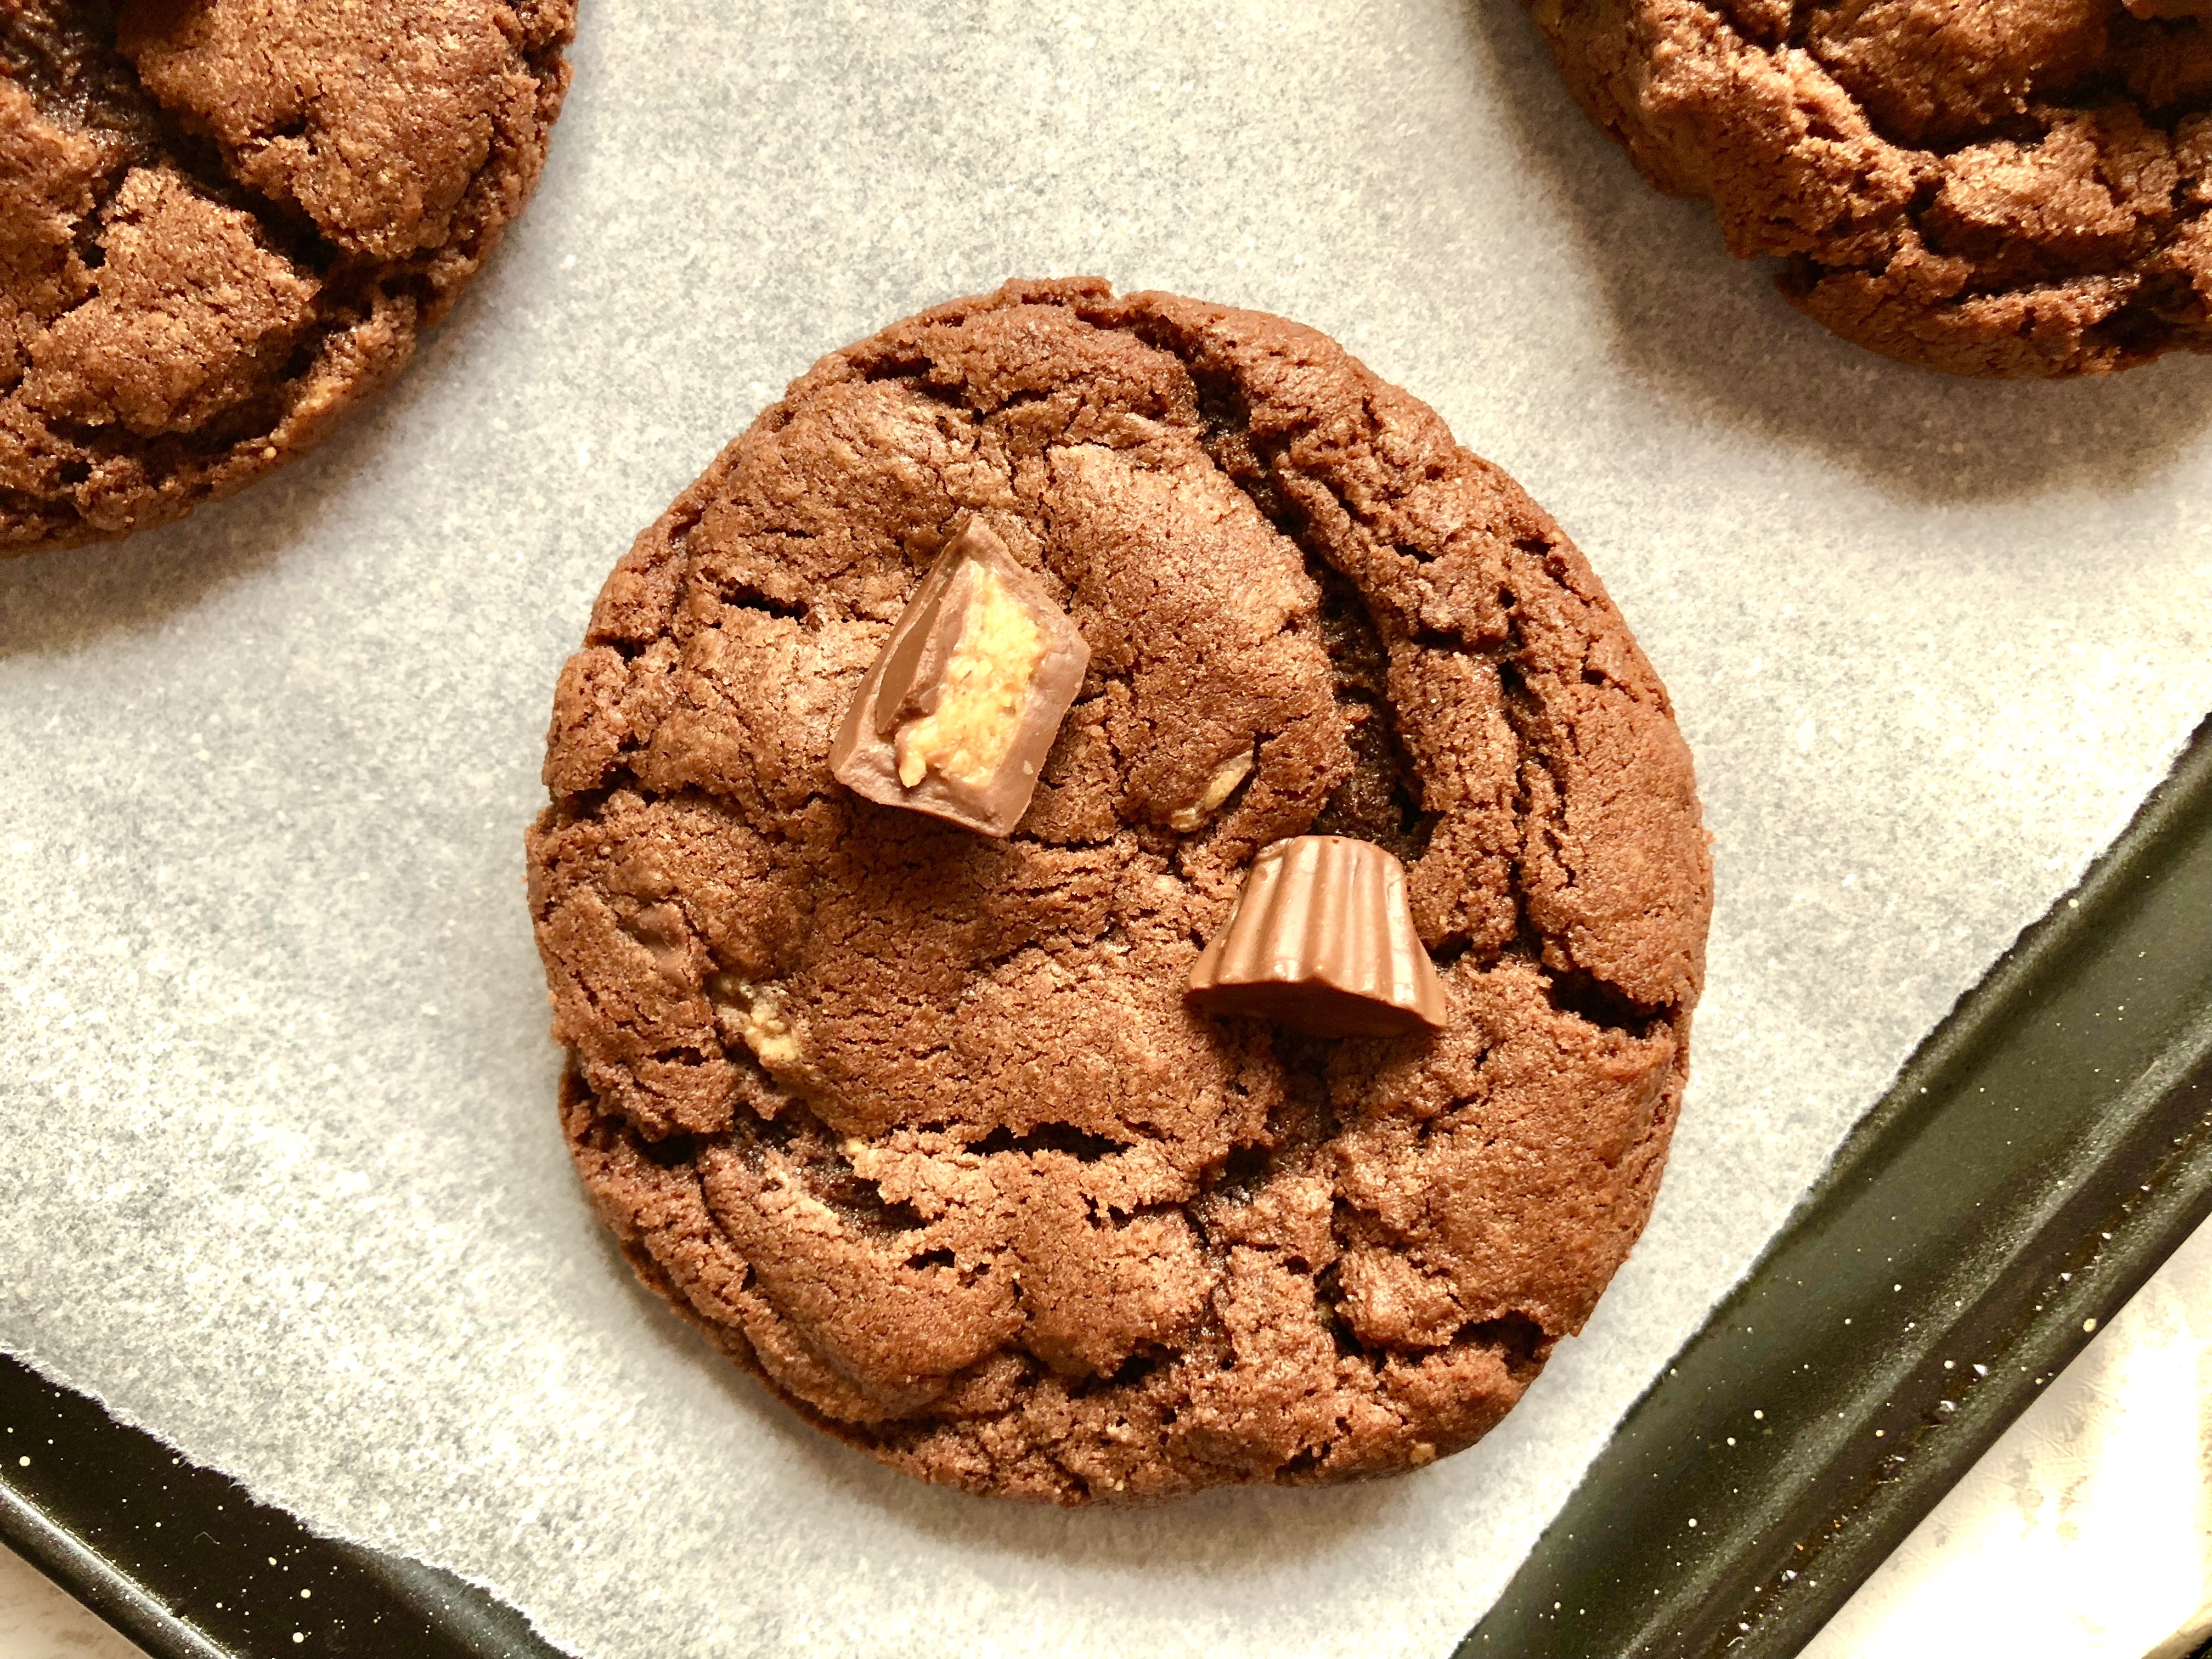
[
  {"x": 2043, "y": 1152},
  {"x": 180, "y": 1560}
]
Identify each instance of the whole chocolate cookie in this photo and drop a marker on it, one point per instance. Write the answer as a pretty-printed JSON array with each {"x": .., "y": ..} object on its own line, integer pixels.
[
  {"x": 917, "y": 1124},
  {"x": 1998, "y": 187},
  {"x": 224, "y": 223}
]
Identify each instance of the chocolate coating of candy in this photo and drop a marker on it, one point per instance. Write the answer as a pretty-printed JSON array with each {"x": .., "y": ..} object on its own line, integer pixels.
[
  {"x": 908, "y": 681},
  {"x": 914, "y": 662},
  {"x": 1322, "y": 941}
]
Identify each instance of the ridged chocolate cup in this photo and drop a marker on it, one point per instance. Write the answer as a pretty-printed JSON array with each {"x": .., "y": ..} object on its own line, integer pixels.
[{"x": 1322, "y": 940}]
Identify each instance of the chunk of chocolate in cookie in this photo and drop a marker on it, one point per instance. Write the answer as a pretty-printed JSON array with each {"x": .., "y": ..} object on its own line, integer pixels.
[
  {"x": 1322, "y": 940},
  {"x": 957, "y": 715}
]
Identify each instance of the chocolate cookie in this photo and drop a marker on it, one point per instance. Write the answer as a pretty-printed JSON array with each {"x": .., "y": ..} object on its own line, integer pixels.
[
  {"x": 922, "y": 1126},
  {"x": 224, "y": 223},
  {"x": 2000, "y": 187}
]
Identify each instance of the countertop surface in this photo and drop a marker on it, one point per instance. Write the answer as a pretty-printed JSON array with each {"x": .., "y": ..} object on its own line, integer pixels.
[{"x": 37, "y": 1621}]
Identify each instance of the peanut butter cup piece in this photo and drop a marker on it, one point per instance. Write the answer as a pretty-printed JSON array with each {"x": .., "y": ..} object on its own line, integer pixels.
[
  {"x": 957, "y": 715},
  {"x": 1322, "y": 940}
]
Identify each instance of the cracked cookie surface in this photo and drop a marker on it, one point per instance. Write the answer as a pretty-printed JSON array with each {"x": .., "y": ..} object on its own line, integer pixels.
[
  {"x": 916, "y": 1124},
  {"x": 2007, "y": 188},
  {"x": 224, "y": 223}
]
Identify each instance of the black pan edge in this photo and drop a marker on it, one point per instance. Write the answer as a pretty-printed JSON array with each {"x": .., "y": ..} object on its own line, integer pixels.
[
  {"x": 180, "y": 1560},
  {"x": 2038, "y": 1157}
]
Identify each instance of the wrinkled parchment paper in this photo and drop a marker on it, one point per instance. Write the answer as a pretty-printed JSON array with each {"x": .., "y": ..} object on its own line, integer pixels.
[{"x": 279, "y": 1172}]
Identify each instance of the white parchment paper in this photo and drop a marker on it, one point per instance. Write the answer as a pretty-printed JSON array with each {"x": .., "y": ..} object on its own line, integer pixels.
[{"x": 279, "y": 1173}]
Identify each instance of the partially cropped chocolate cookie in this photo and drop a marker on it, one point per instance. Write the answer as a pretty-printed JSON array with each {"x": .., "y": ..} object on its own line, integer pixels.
[
  {"x": 950, "y": 1136},
  {"x": 1991, "y": 187},
  {"x": 224, "y": 223}
]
